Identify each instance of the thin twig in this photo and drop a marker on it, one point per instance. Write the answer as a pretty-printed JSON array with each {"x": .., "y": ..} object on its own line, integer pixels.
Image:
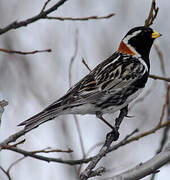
[
  {"x": 164, "y": 137},
  {"x": 112, "y": 136},
  {"x": 14, "y": 145},
  {"x": 167, "y": 123},
  {"x": 50, "y": 150},
  {"x": 3, "y": 103},
  {"x": 11, "y": 138},
  {"x": 121, "y": 142},
  {"x": 94, "y": 147},
  {"x": 74, "y": 116},
  {"x": 84, "y": 62},
  {"x": 80, "y": 161},
  {"x": 45, "y": 5},
  {"x": 80, "y": 18},
  {"x": 49, "y": 159},
  {"x": 147, "y": 168},
  {"x": 73, "y": 58},
  {"x": 24, "y": 53},
  {"x": 164, "y": 106},
  {"x": 14, "y": 163},
  {"x": 160, "y": 55},
  {"x": 6, "y": 173},
  {"x": 155, "y": 77},
  {"x": 152, "y": 14},
  {"x": 41, "y": 15},
  {"x": 59, "y": 160}
]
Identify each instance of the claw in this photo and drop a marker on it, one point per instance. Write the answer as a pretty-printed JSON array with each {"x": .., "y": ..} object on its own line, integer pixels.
[
  {"x": 129, "y": 116},
  {"x": 111, "y": 136}
]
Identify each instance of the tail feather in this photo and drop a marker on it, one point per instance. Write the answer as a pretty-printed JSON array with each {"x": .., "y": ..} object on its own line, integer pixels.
[
  {"x": 47, "y": 114},
  {"x": 38, "y": 119}
]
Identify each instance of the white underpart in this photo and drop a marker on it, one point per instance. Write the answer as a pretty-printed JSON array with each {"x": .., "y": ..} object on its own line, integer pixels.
[{"x": 91, "y": 109}]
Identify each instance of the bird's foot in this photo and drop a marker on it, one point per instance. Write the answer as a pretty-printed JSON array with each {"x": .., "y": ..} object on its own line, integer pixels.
[{"x": 111, "y": 136}]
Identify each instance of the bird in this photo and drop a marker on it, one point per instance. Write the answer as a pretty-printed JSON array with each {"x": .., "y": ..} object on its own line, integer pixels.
[{"x": 110, "y": 86}]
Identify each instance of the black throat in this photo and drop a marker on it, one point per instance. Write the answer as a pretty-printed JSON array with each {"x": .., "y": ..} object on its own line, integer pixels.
[{"x": 142, "y": 47}]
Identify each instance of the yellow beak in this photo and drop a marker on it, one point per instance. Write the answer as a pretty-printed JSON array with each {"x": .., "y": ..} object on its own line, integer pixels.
[{"x": 155, "y": 34}]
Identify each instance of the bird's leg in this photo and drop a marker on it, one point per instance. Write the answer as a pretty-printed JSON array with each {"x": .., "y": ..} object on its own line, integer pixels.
[
  {"x": 100, "y": 116},
  {"x": 123, "y": 113},
  {"x": 114, "y": 134}
]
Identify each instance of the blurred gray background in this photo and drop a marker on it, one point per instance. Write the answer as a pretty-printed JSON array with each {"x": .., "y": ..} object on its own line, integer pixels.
[{"x": 30, "y": 83}]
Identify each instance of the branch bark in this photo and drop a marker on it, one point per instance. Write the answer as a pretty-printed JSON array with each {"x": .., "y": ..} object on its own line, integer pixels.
[
  {"x": 155, "y": 77},
  {"x": 79, "y": 18},
  {"x": 152, "y": 14},
  {"x": 3, "y": 103},
  {"x": 147, "y": 168},
  {"x": 23, "y": 52},
  {"x": 41, "y": 15}
]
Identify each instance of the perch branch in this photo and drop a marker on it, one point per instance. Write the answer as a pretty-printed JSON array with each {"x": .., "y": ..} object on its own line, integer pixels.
[
  {"x": 112, "y": 136},
  {"x": 24, "y": 53}
]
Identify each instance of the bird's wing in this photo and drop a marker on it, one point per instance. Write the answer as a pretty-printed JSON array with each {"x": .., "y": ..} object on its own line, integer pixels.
[
  {"x": 106, "y": 79},
  {"x": 115, "y": 76}
]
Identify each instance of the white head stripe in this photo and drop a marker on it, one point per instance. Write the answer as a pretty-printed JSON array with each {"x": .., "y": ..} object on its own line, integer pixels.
[{"x": 131, "y": 35}]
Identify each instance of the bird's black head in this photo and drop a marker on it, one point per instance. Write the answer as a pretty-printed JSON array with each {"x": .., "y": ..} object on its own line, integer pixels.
[{"x": 139, "y": 41}]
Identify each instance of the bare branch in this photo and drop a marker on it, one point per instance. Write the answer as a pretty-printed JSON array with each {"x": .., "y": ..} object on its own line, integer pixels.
[
  {"x": 80, "y": 161},
  {"x": 14, "y": 145},
  {"x": 50, "y": 150},
  {"x": 14, "y": 163},
  {"x": 84, "y": 62},
  {"x": 70, "y": 84},
  {"x": 98, "y": 172},
  {"x": 147, "y": 168},
  {"x": 152, "y": 14},
  {"x": 45, "y": 5},
  {"x": 110, "y": 137},
  {"x": 59, "y": 160},
  {"x": 24, "y": 53},
  {"x": 3, "y": 103},
  {"x": 80, "y": 18},
  {"x": 167, "y": 123},
  {"x": 160, "y": 55},
  {"x": 6, "y": 173},
  {"x": 48, "y": 159},
  {"x": 11, "y": 138},
  {"x": 164, "y": 106},
  {"x": 159, "y": 77},
  {"x": 73, "y": 57},
  {"x": 41, "y": 15},
  {"x": 164, "y": 137}
]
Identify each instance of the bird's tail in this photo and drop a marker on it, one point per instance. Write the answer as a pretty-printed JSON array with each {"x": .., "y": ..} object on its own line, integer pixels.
[{"x": 45, "y": 115}]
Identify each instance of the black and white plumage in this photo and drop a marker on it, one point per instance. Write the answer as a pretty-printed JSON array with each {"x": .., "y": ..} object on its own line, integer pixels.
[{"x": 109, "y": 87}]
